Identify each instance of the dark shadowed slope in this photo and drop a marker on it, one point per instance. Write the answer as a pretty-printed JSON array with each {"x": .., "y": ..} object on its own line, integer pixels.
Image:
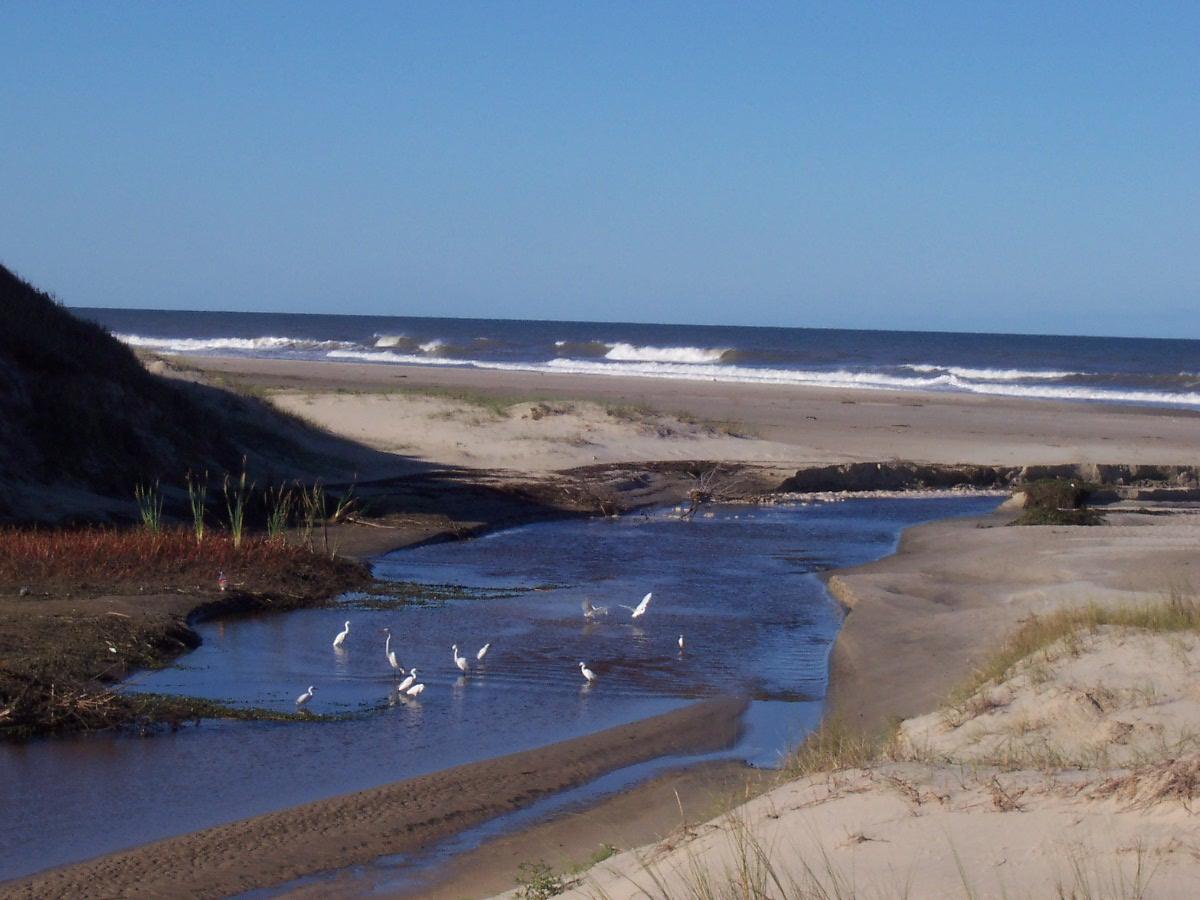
[{"x": 82, "y": 421}]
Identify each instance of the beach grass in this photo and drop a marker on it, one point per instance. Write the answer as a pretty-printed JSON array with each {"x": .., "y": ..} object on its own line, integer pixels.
[{"x": 1178, "y": 612}]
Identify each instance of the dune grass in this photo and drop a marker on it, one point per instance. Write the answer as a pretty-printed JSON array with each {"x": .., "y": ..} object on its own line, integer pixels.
[{"x": 1177, "y": 613}]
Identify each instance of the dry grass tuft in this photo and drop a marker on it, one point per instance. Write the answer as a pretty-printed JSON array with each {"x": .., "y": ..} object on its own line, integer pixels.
[
  {"x": 1172, "y": 779},
  {"x": 835, "y": 746}
]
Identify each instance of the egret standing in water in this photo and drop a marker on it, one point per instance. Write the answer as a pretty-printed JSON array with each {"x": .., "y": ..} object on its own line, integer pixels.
[
  {"x": 483, "y": 651},
  {"x": 407, "y": 682},
  {"x": 341, "y": 637},
  {"x": 305, "y": 697},
  {"x": 586, "y": 672},
  {"x": 415, "y": 690},
  {"x": 460, "y": 661},
  {"x": 391, "y": 654},
  {"x": 591, "y": 612},
  {"x": 639, "y": 610},
  {"x": 681, "y": 643}
]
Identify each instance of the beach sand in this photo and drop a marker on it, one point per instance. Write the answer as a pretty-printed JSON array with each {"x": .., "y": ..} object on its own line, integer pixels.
[
  {"x": 950, "y": 595},
  {"x": 452, "y": 416}
]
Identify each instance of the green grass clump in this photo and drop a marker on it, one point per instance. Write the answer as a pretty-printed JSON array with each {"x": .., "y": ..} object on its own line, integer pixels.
[
  {"x": 833, "y": 746},
  {"x": 537, "y": 881}
]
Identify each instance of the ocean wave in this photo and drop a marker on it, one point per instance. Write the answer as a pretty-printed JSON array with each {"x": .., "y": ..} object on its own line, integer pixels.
[
  {"x": 745, "y": 374},
  {"x": 622, "y": 352},
  {"x": 208, "y": 345},
  {"x": 1067, "y": 392},
  {"x": 582, "y": 348},
  {"x": 389, "y": 356},
  {"x": 992, "y": 374}
]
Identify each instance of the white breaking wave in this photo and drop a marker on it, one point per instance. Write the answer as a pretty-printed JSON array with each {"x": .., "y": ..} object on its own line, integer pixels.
[
  {"x": 745, "y": 375},
  {"x": 390, "y": 340},
  {"x": 633, "y": 353},
  {"x": 432, "y": 346},
  {"x": 841, "y": 378},
  {"x": 387, "y": 356},
  {"x": 993, "y": 374},
  {"x": 1065, "y": 392},
  {"x": 204, "y": 345}
]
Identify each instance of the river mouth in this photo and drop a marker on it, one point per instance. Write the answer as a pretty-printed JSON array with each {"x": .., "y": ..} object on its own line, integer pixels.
[{"x": 739, "y": 585}]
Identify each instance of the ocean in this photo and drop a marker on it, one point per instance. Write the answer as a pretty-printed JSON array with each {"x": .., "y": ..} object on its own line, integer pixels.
[{"x": 1098, "y": 369}]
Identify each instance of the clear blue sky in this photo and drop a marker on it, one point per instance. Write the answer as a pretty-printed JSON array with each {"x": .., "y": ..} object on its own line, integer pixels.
[{"x": 962, "y": 166}]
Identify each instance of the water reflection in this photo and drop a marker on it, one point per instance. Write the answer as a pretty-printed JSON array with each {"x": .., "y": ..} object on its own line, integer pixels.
[{"x": 742, "y": 590}]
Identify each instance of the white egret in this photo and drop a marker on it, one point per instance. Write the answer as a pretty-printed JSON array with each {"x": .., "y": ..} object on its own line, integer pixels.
[
  {"x": 408, "y": 681},
  {"x": 460, "y": 661},
  {"x": 390, "y": 653},
  {"x": 590, "y": 611},
  {"x": 415, "y": 690},
  {"x": 341, "y": 637},
  {"x": 305, "y": 697},
  {"x": 483, "y": 650},
  {"x": 681, "y": 643},
  {"x": 586, "y": 672},
  {"x": 639, "y": 610}
]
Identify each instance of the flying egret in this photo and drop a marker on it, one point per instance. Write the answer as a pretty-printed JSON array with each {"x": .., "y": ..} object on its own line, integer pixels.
[
  {"x": 415, "y": 690},
  {"x": 341, "y": 637},
  {"x": 639, "y": 610},
  {"x": 483, "y": 650},
  {"x": 681, "y": 643},
  {"x": 460, "y": 661},
  {"x": 586, "y": 672},
  {"x": 390, "y": 653},
  {"x": 305, "y": 697},
  {"x": 408, "y": 681},
  {"x": 590, "y": 611}
]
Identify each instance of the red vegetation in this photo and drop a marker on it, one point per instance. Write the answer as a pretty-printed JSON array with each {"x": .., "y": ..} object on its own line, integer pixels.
[{"x": 138, "y": 560}]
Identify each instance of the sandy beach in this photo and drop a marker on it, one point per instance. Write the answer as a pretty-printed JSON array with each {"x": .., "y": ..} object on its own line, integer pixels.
[
  {"x": 952, "y": 592},
  {"x": 452, "y": 416}
]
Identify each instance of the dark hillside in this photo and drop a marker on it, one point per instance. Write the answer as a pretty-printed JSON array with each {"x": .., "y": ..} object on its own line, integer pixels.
[{"x": 82, "y": 421}]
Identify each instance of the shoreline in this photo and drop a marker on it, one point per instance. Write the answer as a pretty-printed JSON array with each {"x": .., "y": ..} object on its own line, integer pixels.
[
  {"x": 771, "y": 425},
  {"x": 401, "y": 817}
]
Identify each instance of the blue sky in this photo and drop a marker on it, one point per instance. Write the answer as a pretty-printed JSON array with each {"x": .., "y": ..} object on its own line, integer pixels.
[{"x": 958, "y": 166}]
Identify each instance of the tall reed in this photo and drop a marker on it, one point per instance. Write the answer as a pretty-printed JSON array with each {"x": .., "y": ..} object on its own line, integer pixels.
[
  {"x": 278, "y": 502},
  {"x": 197, "y": 496},
  {"x": 150, "y": 506},
  {"x": 235, "y": 505},
  {"x": 312, "y": 509}
]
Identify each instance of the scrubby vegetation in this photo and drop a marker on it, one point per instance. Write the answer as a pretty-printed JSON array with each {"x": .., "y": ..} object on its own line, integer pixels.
[
  {"x": 1058, "y": 501},
  {"x": 43, "y": 561}
]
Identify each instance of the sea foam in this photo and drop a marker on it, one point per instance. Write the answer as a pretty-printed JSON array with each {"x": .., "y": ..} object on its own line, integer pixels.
[
  {"x": 209, "y": 345},
  {"x": 622, "y": 352}
]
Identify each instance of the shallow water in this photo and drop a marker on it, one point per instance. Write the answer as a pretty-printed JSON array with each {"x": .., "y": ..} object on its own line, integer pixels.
[{"x": 739, "y": 585}]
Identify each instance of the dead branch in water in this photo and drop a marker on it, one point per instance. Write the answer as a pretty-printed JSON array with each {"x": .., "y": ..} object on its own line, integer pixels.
[{"x": 712, "y": 485}]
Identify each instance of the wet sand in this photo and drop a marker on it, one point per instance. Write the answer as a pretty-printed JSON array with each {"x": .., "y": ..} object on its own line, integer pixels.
[{"x": 397, "y": 818}]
